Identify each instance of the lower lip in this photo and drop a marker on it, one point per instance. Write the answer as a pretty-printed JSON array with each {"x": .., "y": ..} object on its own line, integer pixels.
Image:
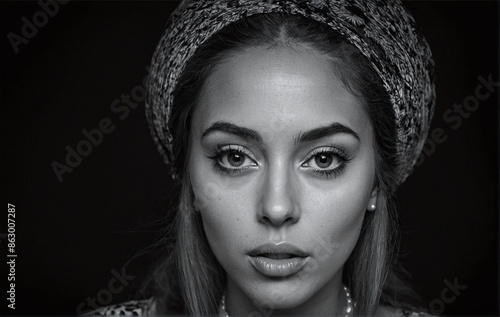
[{"x": 277, "y": 268}]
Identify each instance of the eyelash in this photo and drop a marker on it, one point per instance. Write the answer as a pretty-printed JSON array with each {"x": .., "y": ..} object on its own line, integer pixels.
[
  {"x": 337, "y": 152},
  {"x": 229, "y": 149}
]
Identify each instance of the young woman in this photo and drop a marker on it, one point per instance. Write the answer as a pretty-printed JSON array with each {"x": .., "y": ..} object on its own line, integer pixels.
[{"x": 288, "y": 126}]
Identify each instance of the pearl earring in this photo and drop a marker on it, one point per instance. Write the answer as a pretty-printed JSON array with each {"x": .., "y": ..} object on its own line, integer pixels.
[{"x": 372, "y": 207}]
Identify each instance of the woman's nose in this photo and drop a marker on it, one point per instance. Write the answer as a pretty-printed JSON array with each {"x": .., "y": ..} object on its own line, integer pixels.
[{"x": 278, "y": 198}]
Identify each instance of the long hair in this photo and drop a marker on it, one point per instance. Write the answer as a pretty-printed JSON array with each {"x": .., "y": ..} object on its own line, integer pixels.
[{"x": 191, "y": 269}]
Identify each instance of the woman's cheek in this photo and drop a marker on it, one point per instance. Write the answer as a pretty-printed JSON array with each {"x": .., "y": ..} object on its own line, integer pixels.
[
  {"x": 222, "y": 217},
  {"x": 335, "y": 219}
]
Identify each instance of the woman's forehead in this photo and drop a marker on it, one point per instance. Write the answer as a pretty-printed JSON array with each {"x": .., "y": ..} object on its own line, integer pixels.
[{"x": 281, "y": 87}]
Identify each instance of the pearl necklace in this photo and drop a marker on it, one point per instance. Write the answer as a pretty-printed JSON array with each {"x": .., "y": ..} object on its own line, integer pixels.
[{"x": 348, "y": 311}]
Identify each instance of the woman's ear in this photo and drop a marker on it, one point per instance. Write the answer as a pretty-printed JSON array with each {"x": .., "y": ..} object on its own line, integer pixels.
[{"x": 372, "y": 202}]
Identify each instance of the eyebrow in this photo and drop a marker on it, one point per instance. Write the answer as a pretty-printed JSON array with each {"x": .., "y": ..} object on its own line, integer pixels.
[
  {"x": 226, "y": 127},
  {"x": 307, "y": 136},
  {"x": 321, "y": 132}
]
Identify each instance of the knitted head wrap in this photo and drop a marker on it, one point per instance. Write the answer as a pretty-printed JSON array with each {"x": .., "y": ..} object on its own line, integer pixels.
[{"x": 383, "y": 31}]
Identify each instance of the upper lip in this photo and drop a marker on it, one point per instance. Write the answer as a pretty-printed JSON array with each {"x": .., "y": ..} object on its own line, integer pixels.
[{"x": 277, "y": 249}]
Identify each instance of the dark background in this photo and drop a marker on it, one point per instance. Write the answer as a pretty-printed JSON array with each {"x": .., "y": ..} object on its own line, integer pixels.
[{"x": 71, "y": 235}]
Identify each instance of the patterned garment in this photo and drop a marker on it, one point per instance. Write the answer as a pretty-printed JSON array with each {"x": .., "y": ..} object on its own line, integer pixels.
[
  {"x": 384, "y": 32},
  {"x": 148, "y": 308}
]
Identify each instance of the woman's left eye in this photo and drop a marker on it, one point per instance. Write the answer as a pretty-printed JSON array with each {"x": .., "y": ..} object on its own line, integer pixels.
[
  {"x": 323, "y": 161},
  {"x": 326, "y": 161}
]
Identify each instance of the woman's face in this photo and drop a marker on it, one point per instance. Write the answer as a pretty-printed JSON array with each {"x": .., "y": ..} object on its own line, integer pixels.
[{"x": 282, "y": 167}]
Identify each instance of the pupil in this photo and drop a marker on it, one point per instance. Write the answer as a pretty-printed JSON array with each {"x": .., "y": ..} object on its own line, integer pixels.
[
  {"x": 323, "y": 161},
  {"x": 236, "y": 159}
]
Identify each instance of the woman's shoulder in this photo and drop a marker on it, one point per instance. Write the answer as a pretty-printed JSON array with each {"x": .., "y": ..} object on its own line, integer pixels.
[
  {"x": 388, "y": 311},
  {"x": 145, "y": 307}
]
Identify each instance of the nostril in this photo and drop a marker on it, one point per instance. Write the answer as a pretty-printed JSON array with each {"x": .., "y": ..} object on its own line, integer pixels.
[{"x": 279, "y": 218}]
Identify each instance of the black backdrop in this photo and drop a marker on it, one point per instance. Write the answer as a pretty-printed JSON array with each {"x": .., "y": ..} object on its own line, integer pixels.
[{"x": 73, "y": 237}]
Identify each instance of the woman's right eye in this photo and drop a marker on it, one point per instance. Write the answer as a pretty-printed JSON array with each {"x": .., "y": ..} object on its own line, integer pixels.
[{"x": 233, "y": 159}]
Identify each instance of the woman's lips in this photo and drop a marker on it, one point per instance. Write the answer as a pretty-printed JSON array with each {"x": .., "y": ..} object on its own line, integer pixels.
[{"x": 278, "y": 260}]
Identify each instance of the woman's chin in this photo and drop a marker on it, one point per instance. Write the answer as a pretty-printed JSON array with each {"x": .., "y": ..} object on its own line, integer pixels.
[
  {"x": 280, "y": 297},
  {"x": 284, "y": 293}
]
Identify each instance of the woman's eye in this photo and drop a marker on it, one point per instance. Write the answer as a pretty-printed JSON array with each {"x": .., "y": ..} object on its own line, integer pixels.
[
  {"x": 324, "y": 161},
  {"x": 233, "y": 158}
]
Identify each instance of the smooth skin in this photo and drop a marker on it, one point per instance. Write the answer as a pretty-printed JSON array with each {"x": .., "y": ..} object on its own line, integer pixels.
[{"x": 280, "y": 152}]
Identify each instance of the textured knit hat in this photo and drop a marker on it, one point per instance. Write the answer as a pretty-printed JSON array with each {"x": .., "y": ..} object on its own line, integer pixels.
[{"x": 383, "y": 31}]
